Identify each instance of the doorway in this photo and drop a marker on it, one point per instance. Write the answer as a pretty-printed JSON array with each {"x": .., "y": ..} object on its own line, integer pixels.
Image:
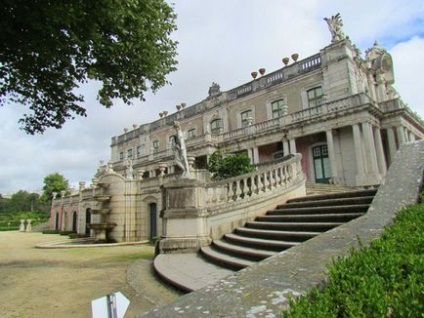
[
  {"x": 87, "y": 221},
  {"x": 321, "y": 164},
  {"x": 153, "y": 221}
]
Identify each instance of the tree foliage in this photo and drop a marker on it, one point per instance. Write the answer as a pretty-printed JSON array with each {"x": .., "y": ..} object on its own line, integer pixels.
[
  {"x": 54, "y": 183},
  {"x": 48, "y": 48},
  {"x": 228, "y": 166}
]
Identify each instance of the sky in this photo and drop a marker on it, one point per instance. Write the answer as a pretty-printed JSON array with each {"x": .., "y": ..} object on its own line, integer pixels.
[{"x": 220, "y": 41}]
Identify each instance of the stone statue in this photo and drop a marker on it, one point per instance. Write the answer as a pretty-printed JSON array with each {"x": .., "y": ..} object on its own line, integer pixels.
[
  {"x": 214, "y": 90},
  {"x": 181, "y": 151},
  {"x": 335, "y": 25},
  {"x": 129, "y": 172}
]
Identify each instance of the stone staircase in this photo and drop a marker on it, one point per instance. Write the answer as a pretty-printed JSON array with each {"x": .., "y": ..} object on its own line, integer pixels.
[{"x": 288, "y": 225}]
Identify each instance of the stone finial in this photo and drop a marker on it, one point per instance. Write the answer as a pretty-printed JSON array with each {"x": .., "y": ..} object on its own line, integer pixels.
[
  {"x": 335, "y": 25},
  {"x": 81, "y": 185},
  {"x": 214, "y": 90}
]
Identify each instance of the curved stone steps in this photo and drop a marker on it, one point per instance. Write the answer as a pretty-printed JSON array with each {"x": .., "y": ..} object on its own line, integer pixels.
[
  {"x": 327, "y": 217},
  {"x": 327, "y": 202},
  {"x": 321, "y": 210},
  {"x": 294, "y": 236},
  {"x": 293, "y": 226},
  {"x": 225, "y": 260},
  {"x": 264, "y": 244}
]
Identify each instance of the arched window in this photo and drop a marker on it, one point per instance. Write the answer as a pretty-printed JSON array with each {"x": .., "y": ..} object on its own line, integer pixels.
[
  {"x": 277, "y": 108},
  {"x": 216, "y": 126},
  {"x": 314, "y": 96}
]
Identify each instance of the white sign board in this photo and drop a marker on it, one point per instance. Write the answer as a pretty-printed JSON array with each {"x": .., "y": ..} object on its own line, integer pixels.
[{"x": 110, "y": 306}]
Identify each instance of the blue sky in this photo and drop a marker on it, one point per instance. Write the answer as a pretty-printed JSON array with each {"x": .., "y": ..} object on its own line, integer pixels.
[{"x": 221, "y": 41}]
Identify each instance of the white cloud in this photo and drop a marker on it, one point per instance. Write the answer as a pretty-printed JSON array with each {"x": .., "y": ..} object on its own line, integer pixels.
[{"x": 220, "y": 41}]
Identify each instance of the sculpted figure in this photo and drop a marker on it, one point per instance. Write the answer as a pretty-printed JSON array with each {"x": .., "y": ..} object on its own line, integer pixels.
[
  {"x": 335, "y": 25},
  {"x": 181, "y": 151}
]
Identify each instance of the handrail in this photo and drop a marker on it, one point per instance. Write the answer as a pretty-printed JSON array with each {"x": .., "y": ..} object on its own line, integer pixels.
[{"x": 265, "y": 179}]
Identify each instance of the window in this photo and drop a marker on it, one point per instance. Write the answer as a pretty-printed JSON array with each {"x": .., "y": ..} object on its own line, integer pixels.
[
  {"x": 246, "y": 118},
  {"x": 314, "y": 96},
  {"x": 155, "y": 146},
  {"x": 191, "y": 133},
  {"x": 172, "y": 141},
  {"x": 138, "y": 151},
  {"x": 121, "y": 155},
  {"x": 277, "y": 108},
  {"x": 216, "y": 126},
  {"x": 129, "y": 153}
]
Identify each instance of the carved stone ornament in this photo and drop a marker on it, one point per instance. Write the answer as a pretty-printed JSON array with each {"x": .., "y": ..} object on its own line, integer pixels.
[{"x": 335, "y": 25}]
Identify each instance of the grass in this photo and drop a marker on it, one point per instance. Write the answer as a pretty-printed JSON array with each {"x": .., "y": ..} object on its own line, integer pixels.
[{"x": 385, "y": 279}]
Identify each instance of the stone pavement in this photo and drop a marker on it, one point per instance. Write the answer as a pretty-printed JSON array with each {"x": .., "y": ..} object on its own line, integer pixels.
[
  {"x": 188, "y": 271},
  {"x": 263, "y": 290}
]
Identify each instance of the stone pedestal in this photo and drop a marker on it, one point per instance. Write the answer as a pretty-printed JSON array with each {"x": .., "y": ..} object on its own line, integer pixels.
[
  {"x": 29, "y": 226},
  {"x": 22, "y": 226},
  {"x": 184, "y": 216}
]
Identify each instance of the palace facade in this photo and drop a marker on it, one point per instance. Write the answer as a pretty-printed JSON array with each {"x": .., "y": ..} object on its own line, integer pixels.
[{"x": 337, "y": 109}]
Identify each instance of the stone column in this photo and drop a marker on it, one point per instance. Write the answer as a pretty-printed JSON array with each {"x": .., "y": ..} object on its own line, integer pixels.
[
  {"x": 292, "y": 143},
  {"x": 255, "y": 152},
  {"x": 357, "y": 140},
  {"x": 400, "y": 135},
  {"x": 371, "y": 163},
  {"x": 331, "y": 156},
  {"x": 382, "y": 167},
  {"x": 392, "y": 143},
  {"x": 286, "y": 149}
]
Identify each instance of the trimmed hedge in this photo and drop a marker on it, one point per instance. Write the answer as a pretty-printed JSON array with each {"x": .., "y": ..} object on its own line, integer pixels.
[{"x": 385, "y": 279}]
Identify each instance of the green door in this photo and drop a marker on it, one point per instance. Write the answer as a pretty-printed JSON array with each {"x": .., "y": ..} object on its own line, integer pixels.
[{"x": 322, "y": 167}]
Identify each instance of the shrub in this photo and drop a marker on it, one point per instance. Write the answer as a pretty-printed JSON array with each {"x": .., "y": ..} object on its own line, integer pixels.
[
  {"x": 228, "y": 166},
  {"x": 385, "y": 279}
]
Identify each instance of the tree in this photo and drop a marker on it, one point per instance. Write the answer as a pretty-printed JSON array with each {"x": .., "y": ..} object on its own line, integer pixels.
[
  {"x": 48, "y": 48},
  {"x": 228, "y": 166},
  {"x": 54, "y": 182},
  {"x": 24, "y": 201}
]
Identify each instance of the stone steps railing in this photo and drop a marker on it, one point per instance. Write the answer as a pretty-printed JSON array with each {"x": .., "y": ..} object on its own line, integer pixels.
[{"x": 267, "y": 178}]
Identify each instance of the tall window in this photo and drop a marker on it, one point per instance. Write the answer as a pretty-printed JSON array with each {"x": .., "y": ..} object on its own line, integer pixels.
[
  {"x": 191, "y": 133},
  {"x": 129, "y": 153},
  {"x": 314, "y": 96},
  {"x": 246, "y": 118},
  {"x": 172, "y": 141},
  {"x": 216, "y": 126},
  {"x": 155, "y": 146},
  {"x": 277, "y": 108},
  {"x": 138, "y": 151},
  {"x": 121, "y": 155}
]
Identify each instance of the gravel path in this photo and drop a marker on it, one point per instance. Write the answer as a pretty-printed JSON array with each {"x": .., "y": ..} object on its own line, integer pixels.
[{"x": 63, "y": 282}]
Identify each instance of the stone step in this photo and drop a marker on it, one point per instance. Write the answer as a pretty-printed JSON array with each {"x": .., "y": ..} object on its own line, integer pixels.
[
  {"x": 328, "y": 202},
  {"x": 249, "y": 253},
  {"x": 273, "y": 245},
  {"x": 357, "y": 193},
  {"x": 325, "y": 217},
  {"x": 225, "y": 260},
  {"x": 293, "y": 226},
  {"x": 321, "y": 210},
  {"x": 291, "y": 236}
]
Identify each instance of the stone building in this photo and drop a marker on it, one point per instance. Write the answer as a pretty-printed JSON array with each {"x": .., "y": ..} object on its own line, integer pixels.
[{"x": 337, "y": 109}]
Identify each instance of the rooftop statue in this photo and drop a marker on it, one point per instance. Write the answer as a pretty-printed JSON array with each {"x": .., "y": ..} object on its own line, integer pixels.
[
  {"x": 335, "y": 25},
  {"x": 181, "y": 151}
]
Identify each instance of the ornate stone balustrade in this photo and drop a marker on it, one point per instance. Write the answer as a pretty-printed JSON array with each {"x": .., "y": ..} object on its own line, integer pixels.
[
  {"x": 197, "y": 211},
  {"x": 266, "y": 179}
]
